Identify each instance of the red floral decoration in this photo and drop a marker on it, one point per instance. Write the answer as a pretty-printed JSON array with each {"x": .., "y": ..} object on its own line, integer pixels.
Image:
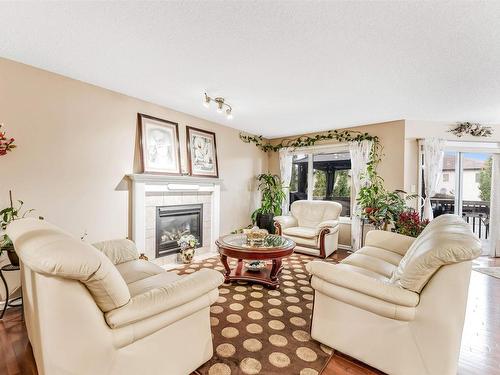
[
  {"x": 409, "y": 224},
  {"x": 6, "y": 144}
]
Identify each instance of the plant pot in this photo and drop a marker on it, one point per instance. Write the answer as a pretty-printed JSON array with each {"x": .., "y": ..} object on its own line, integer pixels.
[
  {"x": 187, "y": 255},
  {"x": 11, "y": 253},
  {"x": 265, "y": 221}
]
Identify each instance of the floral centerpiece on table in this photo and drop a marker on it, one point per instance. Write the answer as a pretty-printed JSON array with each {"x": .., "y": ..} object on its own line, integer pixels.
[
  {"x": 410, "y": 224},
  {"x": 187, "y": 242},
  {"x": 255, "y": 236},
  {"x": 6, "y": 143}
]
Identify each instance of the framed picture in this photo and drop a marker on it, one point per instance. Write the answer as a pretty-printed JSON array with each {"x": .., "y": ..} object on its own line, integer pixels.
[
  {"x": 160, "y": 152},
  {"x": 202, "y": 152}
]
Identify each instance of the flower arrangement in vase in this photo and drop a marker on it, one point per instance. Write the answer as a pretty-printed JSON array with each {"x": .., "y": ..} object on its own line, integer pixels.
[
  {"x": 188, "y": 243},
  {"x": 6, "y": 144}
]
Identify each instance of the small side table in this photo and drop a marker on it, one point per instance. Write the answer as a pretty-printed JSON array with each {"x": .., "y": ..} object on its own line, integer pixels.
[{"x": 8, "y": 268}]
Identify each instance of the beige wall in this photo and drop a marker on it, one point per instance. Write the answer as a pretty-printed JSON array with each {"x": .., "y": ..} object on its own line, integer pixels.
[
  {"x": 392, "y": 138},
  {"x": 76, "y": 143}
]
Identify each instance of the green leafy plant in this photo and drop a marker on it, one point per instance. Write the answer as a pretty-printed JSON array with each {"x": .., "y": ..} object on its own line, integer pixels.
[
  {"x": 380, "y": 206},
  {"x": 272, "y": 195},
  {"x": 9, "y": 214},
  {"x": 485, "y": 181},
  {"x": 306, "y": 141},
  {"x": 342, "y": 188}
]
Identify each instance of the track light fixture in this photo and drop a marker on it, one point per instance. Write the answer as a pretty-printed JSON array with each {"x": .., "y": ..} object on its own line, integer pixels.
[{"x": 220, "y": 103}]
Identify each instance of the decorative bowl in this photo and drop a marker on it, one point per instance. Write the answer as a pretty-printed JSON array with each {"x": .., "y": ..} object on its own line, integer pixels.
[
  {"x": 255, "y": 265},
  {"x": 256, "y": 236}
]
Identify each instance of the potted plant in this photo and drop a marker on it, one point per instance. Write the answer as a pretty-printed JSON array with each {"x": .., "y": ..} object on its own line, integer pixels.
[
  {"x": 272, "y": 196},
  {"x": 410, "y": 224},
  {"x": 379, "y": 206},
  {"x": 7, "y": 215},
  {"x": 188, "y": 243}
]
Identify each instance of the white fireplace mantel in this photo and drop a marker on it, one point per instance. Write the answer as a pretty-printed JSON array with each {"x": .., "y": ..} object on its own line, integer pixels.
[{"x": 152, "y": 183}]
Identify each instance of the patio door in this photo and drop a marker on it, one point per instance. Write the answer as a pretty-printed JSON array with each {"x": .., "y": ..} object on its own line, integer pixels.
[{"x": 465, "y": 190}]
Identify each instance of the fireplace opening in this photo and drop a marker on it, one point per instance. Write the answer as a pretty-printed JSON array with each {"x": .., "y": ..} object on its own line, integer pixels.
[{"x": 172, "y": 222}]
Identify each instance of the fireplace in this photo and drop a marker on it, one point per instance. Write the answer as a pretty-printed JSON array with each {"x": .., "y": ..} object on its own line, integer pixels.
[{"x": 174, "y": 221}]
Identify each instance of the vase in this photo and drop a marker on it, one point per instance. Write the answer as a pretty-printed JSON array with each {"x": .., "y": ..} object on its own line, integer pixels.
[
  {"x": 11, "y": 253},
  {"x": 187, "y": 255},
  {"x": 265, "y": 221}
]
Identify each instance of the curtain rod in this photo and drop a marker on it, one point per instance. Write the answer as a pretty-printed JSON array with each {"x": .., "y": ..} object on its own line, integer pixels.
[{"x": 461, "y": 141}]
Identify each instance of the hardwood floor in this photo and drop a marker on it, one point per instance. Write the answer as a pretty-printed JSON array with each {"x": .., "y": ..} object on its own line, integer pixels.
[
  {"x": 480, "y": 353},
  {"x": 16, "y": 354}
]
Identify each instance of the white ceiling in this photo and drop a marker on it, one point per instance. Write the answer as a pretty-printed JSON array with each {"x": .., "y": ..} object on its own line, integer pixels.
[{"x": 286, "y": 67}]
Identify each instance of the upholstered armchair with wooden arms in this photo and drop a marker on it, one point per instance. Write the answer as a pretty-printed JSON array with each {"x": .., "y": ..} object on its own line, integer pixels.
[
  {"x": 398, "y": 304},
  {"x": 312, "y": 225}
]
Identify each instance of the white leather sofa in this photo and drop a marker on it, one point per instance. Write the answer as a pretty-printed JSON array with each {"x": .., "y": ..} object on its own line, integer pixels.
[
  {"x": 398, "y": 304},
  {"x": 312, "y": 225},
  {"x": 108, "y": 312}
]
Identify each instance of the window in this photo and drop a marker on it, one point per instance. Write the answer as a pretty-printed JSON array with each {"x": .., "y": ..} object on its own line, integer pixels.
[
  {"x": 298, "y": 181},
  {"x": 446, "y": 177},
  {"x": 329, "y": 175},
  {"x": 478, "y": 177}
]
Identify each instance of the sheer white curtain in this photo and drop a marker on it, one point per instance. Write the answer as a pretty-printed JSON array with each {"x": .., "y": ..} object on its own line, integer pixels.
[
  {"x": 495, "y": 207},
  {"x": 360, "y": 155},
  {"x": 433, "y": 167},
  {"x": 286, "y": 159}
]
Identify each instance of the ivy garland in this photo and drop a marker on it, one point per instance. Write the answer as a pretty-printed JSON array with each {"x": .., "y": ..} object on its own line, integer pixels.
[{"x": 306, "y": 141}]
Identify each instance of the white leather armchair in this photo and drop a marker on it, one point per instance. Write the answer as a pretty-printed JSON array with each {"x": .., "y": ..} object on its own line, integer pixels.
[
  {"x": 312, "y": 225},
  {"x": 398, "y": 304},
  {"x": 101, "y": 310}
]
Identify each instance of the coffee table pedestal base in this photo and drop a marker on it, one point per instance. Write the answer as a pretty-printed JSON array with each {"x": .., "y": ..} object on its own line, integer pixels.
[{"x": 267, "y": 276}]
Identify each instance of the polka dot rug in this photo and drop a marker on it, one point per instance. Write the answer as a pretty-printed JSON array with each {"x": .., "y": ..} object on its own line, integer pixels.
[{"x": 257, "y": 330}]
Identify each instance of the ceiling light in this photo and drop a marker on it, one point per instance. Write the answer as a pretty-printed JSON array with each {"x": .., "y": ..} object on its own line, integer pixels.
[
  {"x": 206, "y": 101},
  {"x": 221, "y": 104}
]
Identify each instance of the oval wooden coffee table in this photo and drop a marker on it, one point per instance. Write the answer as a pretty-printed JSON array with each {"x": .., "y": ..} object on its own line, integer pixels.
[{"x": 275, "y": 248}]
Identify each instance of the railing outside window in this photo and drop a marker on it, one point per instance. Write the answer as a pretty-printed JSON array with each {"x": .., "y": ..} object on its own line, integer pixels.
[{"x": 475, "y": 213}]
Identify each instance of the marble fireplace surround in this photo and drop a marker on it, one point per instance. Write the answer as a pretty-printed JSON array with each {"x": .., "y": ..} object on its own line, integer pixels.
[{"x": 173, "y": 190}]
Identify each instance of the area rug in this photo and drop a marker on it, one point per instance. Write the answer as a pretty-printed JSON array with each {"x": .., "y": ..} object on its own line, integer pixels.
[
  {"x": 490, "y": 271},
  {"x": 257, "y": 330}
]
